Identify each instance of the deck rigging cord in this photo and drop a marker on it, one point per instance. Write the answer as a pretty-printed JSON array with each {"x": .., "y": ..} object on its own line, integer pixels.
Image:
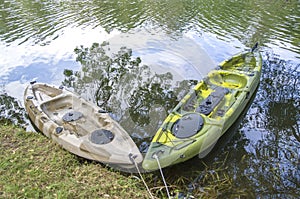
[
  {"x": 162, "y": 175},
  {"x": 138, "y": 170}
]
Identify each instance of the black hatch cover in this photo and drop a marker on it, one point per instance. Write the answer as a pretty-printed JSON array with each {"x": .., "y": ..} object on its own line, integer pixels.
[
  {"x": 72, "y": 116},
  {"x": 101, "y": 136},
  {"x": 188, "y": 125}
]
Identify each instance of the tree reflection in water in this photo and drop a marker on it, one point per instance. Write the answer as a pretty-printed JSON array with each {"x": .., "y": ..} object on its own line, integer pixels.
[
  {"x": 273, "y": 166},
  {"x": 135, "y": 95},
  {"x": 11, "y": 112}
]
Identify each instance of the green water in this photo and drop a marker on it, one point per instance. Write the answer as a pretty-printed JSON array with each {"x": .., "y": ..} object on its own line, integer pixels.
[{"x": 153, "y": 53}]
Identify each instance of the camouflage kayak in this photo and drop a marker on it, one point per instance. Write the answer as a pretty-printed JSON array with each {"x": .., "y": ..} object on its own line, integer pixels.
[
  {"x": 79, "y": 126},
  {"x": 206, "y": 112}
]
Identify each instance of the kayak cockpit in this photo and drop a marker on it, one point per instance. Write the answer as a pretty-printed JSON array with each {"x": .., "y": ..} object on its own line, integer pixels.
[
  {"x": 228, "y": 79},
  {"x": 74, "y": 115}
]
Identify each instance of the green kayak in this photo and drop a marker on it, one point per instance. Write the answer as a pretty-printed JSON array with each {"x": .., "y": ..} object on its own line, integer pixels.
[{"x": 206, "y": 112}]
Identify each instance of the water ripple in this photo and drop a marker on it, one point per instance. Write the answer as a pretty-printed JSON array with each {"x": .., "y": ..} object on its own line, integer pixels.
[{"x": 42, "y": 20}]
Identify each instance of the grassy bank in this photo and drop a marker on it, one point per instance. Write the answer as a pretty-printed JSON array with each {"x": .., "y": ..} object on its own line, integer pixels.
[{"x": 33, "y": 166}]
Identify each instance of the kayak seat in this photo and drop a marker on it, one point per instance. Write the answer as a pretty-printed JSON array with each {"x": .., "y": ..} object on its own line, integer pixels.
[
  {"x": 227, "y": 79},
  {"x": 209, "y": 103}
]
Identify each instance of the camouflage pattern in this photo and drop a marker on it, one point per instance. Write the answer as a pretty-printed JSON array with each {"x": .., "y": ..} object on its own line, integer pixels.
[{"x": 206, "y": 112}]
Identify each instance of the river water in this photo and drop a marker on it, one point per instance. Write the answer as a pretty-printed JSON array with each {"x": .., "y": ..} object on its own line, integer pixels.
[{"x": 137, "y": 59}]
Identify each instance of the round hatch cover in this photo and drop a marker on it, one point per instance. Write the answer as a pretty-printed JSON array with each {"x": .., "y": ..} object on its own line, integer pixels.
[
  {"x": 101, "y": 136},
  {"x": 188, "y": 125},
  {"x": 72, "y": 116}
]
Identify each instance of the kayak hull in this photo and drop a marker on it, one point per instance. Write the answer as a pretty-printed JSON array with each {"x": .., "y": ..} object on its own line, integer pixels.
[
  {"x": 79, "y": 126},
  {"x": 206, "y": 112}
]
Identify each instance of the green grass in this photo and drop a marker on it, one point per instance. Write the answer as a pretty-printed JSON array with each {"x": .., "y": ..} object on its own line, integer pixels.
[{"x": 33, "y": 166}]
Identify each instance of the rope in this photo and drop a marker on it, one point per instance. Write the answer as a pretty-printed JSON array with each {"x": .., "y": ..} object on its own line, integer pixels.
[
  {"x": 162, "y": 175},
  {"x": 142, "y": 178}
]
